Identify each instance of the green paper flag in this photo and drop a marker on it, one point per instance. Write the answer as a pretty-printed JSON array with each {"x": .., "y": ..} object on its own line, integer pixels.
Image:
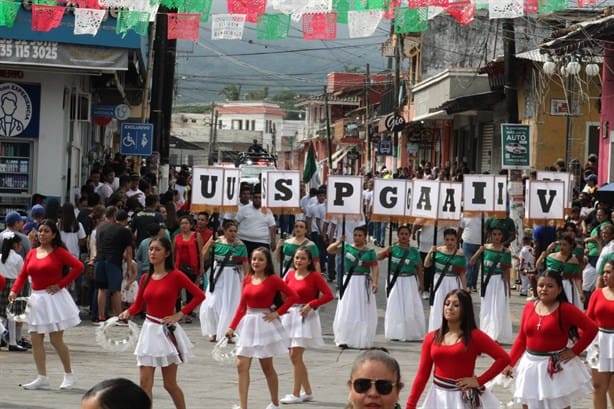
[
  {"x": 550, "y": 6},
  {"x": 132, "y": 20},
  {"x": 342, "y": 7},
  {"x": 364, "y": 5},
  {"x": 46, "y": 2},
  {"x": 198, "y": 6},
  {"x": 310, "y": 165},
  {"x": 173, "y": 4},
  {"x": 8, "y": 12},
  {"x": 408, "y": 20},
  {"x": 273, "y": 26}
]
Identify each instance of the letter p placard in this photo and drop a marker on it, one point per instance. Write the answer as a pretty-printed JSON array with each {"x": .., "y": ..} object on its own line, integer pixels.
[{"x": 344, "y": 195}]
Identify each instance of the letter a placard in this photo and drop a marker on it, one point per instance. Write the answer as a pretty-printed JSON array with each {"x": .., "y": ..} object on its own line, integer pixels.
[
  {"x": 388, "y": 199},
  {"x": 545, "y": 201},
  {"x": 425, "y": 201},
  {"x": 450, "y": 196},
  {"x": 283, "y": 191},
  {"x": 207, "y": 183},
  {"x": 344, "y": 197}
]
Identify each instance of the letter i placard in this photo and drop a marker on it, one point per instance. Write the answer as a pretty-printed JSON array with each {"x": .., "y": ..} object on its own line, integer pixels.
[{"x": 207, "y": 189}]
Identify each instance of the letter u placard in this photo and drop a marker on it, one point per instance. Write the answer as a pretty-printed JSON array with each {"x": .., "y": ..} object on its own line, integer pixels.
[{"x": 207, "y": 188}]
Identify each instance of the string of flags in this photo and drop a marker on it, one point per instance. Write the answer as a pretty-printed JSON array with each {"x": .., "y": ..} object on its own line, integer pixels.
[{"x": 319, "y": 18}]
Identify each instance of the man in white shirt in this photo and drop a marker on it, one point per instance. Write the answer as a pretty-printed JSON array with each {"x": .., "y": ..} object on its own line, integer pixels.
[
  {"x": 471, "y": 234},
  {"x": 106, "y": 190},
  {"x": 315, "y": 215},
  {"x": 133, "y": 189},
  {"x": 256, "y": 229},
  {"x": 244, "y": 199}
]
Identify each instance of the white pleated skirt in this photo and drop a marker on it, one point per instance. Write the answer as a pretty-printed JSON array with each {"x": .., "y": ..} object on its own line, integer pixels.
[
  {"x": 448, "y": 284},
  {"x": 600, "y": 354},
  {"x": 218, "y": 309},
  {"x": 355, "y": 320},
  {"x": 573, "y": 296},
  {"x": 495, "y": 316},
  {"x": 442, "y": 398},
  {"x": 404, "y": 319},
  {"x": 155, "y": 349},
  {"x": 535, "y": 388},
  {"x": 52, "y": 312},
  {"x": 259, "y": 338},
  {"x": 304, "y": 332}
]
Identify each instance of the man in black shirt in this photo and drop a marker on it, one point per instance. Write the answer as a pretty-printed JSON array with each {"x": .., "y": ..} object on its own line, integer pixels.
[
  {"x": 112, "y": 239},
  {"x": 145, "y": 218}
]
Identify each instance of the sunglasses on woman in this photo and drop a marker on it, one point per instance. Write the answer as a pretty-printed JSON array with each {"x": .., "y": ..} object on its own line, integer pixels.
[{"x": 362, "y": 385}]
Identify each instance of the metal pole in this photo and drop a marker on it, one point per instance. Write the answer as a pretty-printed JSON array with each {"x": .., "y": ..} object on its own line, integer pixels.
[
  {"x": 509, "y": 57},
  {"x": 397, "y": 80},
  {"x": 148, "y": 74},
  {"x": 328, "y": 136},
  {"x": 212, "y": 126},
  {"x": 568, "y": 123},
  {"x": 367, "y": 121}
]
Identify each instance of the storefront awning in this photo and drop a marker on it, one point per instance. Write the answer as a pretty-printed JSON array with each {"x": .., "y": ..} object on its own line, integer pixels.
[
  {"x": 476, "y": 102},
  {"x": 431, "y": 116},
  {"x": 337, "y": 156}
]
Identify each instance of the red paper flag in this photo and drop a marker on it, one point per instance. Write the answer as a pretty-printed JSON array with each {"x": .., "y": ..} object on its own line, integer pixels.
[
  {"x": 251, "y": 8},
  {"x": 462, "y": 12},
  {"x": 320, "y": 26},
  {"x": 531, "y": 6},
  {"x": 183, "y": 26},
  {"x": 414, "y": 4},
  {"x": 89, "y": 4},
  {"x": 390, "y": 12},
  {"x": 45, "y": 18}
]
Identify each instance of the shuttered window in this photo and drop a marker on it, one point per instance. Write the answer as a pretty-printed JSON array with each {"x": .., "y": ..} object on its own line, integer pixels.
[{"x": 487, "y": 131}]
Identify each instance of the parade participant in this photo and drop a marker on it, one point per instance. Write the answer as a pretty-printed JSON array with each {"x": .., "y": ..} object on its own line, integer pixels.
[
  {"x": 355, "y": 320},
  {"x": 257, "y": 228},
  {"x": 73, "y": 236},
  {"x": 117, "y": 393},
  {"x": 52, "y": 309},
  {"x": 593, "y": 242},
  {"x": 224, "y": 289},
  {"x": 449, "y": 264},
  {"x": 495, "y": 317},
  {"x": 10, "y": 266},
  {"x": 375, "y": 381},
  {"x": 302, "y": 322},
  {"x": 288, "y": 247},
  {"x": 427, "y": 237},
  {"x": 317, "y": 228},
  {"x": 261, "y": 334},
  {"x": 453, "y": 350},
  {"x": 526, "y": 266},
  {"x": 567, "y": 265},
  {"x": 601, "y": 354},
  {"x": 404, "y": 320},
  {"x": 470, "y": 232},
  {"x": 548, "y": 374},
  {"x": 202, "y": 226},
  {"x": 162, "y": 342},
  {"x": 187, "y": 246},
  {"x": 607, "y": 236}
]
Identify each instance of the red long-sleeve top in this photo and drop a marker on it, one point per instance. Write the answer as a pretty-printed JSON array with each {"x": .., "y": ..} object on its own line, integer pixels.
[
  {"x": 551, "y": 336},
  {"x": 160, "y": 295},
  {"x": 308, "y": 288},
  {"x": 601, "y": 310},
  {"x": 186, "y": 252},
  {"x": 48, "y": 270},
  {"x": 262, "y": 295},
  {"x": 2, "y": 282},
  {"x": 455, "y": 361}
]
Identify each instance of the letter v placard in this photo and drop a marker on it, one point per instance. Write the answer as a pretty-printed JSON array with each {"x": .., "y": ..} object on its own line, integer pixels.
[{"x": 546, "y": 201}]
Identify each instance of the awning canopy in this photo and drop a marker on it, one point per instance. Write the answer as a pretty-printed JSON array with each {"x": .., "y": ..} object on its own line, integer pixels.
[
  {"x": 431, "y": 116},
  {"x": 476, "y": 102}
]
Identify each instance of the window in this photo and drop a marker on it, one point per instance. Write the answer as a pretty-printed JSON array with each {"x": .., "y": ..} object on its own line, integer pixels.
[
  {"x": 253, "y": 124},
  {"x": 236, "y": 124}
]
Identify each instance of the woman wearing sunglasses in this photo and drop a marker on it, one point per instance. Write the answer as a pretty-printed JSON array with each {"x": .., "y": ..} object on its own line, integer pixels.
[
  {"x": 453, "y": 350},
  {"x": 375, "y": 381}
]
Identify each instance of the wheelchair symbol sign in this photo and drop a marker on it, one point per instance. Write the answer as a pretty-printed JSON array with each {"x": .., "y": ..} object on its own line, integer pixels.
[{"x": 136, "y": 139}]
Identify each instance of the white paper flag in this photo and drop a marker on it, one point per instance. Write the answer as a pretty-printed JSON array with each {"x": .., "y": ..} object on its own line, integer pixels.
[
  {"x": 364, "y": 23},
  {"x": 227, "y": 26},
  {"x": 505, "y": 8},
  {"x": 87, "y": 21}
]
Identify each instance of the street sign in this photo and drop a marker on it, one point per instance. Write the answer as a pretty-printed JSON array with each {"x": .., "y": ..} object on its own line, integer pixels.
[
  {"x": 136, "y": 139},
  {"x": 384, "y": 148},
  {"x": 515, "y": 146}
]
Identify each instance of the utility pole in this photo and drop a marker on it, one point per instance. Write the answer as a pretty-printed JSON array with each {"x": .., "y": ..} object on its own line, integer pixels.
[
  {"x": 212, "y": 127},
  {"x": 213, "y": 141},
  {"x": 368, "y": 122},
  {"x": 397, "y": 81},
  {"x": 328, "y": 136},
  {"x": 509, "y": 58}
]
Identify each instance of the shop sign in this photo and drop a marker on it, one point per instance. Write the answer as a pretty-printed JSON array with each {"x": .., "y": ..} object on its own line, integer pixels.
[
  {"x": 19, "y": 109},
  {"x": 384, "y": 148},
  {"x": 515, "y": 153},
  {"x": 394, "y": 123}
]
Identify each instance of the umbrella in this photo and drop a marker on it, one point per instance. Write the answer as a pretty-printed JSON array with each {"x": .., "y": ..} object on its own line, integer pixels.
[{"x": 606, "y": 193}]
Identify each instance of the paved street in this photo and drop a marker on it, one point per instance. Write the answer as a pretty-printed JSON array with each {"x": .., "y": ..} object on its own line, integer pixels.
[{"x": 206, "y": 383}]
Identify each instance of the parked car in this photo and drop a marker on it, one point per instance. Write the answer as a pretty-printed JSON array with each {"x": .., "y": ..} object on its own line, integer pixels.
[{"x": 515, "y": 148}]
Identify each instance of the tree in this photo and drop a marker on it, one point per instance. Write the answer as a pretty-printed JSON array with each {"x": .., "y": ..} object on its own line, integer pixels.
[
  {"x": 257, "y": 95},
  {"x": 286, "y": 100},
  {"x": 231, "y": 92}
]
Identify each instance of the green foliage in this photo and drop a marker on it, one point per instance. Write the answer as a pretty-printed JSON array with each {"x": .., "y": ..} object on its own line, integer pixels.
[{"x": 231, "y": 92}]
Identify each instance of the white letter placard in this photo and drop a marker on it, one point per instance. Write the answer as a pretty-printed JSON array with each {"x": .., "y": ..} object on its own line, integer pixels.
[
  {"x": 344, "y": 196},
  {"x": 425, "y": 199},
  {"x": 450, "y": 196},
  {"x": 283, "y": 191},
  {"x": 230, "y": 197},
  {"x": 478, "y": 193},
  {"x": 500, "y": 195},
  {"x": 409, "y": 187},
  {"x": 546, "y": 200},
  {"x": 388, "y": 199},
  {"x": 564, "y": 177},
  {"x": 207, "y": 188}
]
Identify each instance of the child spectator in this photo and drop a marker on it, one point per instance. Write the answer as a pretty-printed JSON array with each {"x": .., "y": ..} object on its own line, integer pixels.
[{"x": 526, "y": 266}]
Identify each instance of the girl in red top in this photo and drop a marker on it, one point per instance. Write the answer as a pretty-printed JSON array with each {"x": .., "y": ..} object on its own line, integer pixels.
[
  {"x": 550, "y": 375},
  {"x": 601, "y": 353},
  {"x": 162, "y": 342},
  {"x": 52, "y": 309},
  {"x": 302, "y": 322},
  {"x": 261, "y": 334},
  {"x": 453, "y": 349},
  {"x": 186, "y": 248}
]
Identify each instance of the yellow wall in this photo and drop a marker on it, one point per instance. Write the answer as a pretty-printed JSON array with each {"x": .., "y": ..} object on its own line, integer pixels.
[{"x": 549, "y": 132}]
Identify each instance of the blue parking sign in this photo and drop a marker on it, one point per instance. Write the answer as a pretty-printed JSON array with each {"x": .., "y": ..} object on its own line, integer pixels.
[{"x": 136, "y": 139}]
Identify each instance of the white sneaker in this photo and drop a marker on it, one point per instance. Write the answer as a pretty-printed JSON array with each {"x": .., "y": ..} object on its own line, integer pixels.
[
  {"x": 41, "y": 382},
  {"x": 290, "y": 398},
  {"x": 306, "y": 398},
  {"x": 69, "y": 381},
  {"x": 271, "y": 406}
]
